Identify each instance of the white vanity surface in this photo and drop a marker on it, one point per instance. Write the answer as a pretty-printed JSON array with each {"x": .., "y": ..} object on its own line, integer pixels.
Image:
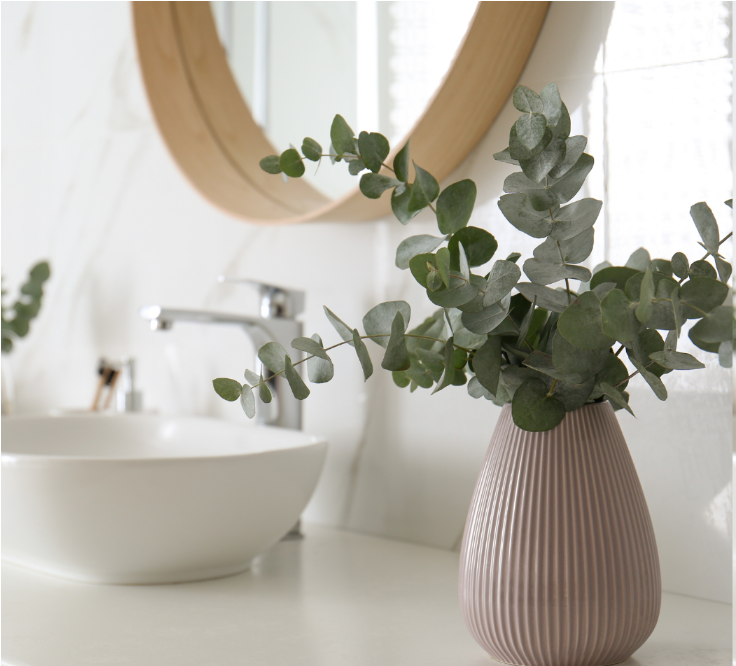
[{"x": 333, "y": 599}]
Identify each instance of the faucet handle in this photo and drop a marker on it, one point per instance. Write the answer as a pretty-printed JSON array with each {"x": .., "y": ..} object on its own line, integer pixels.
[{"x": 276, "y": 302}]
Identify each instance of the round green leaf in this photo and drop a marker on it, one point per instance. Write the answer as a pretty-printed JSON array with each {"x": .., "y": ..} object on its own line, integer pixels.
[
  {"x": 271, "y": 164},
  {"x": 374, "y": 149},
  {"x": 291, "y": 163},
  {"x": 533, "y": 410},
  {"x": 227, "y": 389},
  {"x": 455, "y": 206},
  {"x": 311, "y": 149},
  {"x": 581, "y": 323},
  {"x": 480, "y": 246}
]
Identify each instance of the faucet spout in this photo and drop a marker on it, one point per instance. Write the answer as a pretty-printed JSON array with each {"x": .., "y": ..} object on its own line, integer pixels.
[{"x": 284, "y": 410}]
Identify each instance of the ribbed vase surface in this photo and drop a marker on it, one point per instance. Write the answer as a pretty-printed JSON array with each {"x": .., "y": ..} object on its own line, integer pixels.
[{"x": 559, "y": 564}]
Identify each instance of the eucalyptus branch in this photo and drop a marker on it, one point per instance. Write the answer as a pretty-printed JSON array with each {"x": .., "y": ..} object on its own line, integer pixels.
[
  {"x": 364, "y": 337},
  {"x": 541, "y": 145}
]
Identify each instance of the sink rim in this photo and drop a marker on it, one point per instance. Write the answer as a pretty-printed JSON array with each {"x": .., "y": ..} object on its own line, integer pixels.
[{"x": 13, "y": 457}]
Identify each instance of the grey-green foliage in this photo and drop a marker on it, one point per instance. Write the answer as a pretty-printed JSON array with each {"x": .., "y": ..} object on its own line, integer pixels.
[
  {"x": 536, "y": 342},
  {"x": 16, "y": 318}
]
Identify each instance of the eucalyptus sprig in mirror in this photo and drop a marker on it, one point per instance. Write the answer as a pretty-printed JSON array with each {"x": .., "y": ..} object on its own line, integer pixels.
[{"x": 536, "y": 343}]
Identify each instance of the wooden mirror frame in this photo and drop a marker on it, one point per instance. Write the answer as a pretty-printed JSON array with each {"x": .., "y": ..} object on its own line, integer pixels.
[{"x": 211, "y": 134}]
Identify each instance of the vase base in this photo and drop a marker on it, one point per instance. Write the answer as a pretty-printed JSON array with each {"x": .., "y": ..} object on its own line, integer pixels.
[{"x": 506, "y": 663}]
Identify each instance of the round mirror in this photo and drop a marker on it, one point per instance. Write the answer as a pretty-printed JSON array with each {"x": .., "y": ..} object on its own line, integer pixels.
[
  {"x": 377, "y": 64},
  {"x": 279, "y": 71}
]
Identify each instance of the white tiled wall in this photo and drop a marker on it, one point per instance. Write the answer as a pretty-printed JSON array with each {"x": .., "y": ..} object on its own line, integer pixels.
[{"x": 87, "y": 182}]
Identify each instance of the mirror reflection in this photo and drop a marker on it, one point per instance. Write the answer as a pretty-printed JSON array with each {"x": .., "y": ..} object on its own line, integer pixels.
[{"x": 378, "y": 64}]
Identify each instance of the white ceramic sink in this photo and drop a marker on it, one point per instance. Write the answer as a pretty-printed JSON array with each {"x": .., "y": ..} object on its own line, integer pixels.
[{"x": 149, "y": 499}]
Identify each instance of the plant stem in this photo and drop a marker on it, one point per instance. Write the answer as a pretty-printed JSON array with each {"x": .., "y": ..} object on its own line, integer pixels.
[
  {"x": 633, "y": 374},
  {"x": 552, "y": 388},
  {"x": 620, "y": 349}
]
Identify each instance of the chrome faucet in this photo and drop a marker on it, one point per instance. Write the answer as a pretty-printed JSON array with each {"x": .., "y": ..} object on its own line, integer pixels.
[{"x": 277, "y": 323}]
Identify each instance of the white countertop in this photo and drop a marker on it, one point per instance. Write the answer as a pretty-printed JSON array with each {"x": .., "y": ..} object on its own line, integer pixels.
[{"x": 333, "y": 599}]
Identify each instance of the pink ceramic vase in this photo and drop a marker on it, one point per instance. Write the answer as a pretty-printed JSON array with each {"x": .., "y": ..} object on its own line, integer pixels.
[{"x": 559, "y": 563}]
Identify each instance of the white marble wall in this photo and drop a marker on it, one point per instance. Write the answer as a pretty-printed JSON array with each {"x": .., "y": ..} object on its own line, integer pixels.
[{"x": 88, "y": 183}]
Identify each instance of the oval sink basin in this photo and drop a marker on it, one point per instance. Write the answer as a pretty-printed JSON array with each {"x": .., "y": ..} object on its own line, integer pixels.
[{"x": 149, "y": 499}]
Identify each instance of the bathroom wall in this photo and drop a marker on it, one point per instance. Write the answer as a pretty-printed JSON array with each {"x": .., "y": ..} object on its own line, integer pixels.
[{"x": 88, "y": 184}]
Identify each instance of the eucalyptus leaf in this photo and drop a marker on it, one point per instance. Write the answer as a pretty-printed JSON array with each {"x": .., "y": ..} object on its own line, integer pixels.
[
  {"x": 296, "y": 383},
  {"x": 549, "y": 299},
  {"x": 477, "y": 390},
  {"x": 707, "y": 227},
  {"x": 312, "y": 150},
  {"x": 543, "y": 363},
  {"x": 414, "y": 245},
  {"x": 644, "y": 309},
  {"x": 363, "y": 356},
  {"x": 552, "y": 104},
  {"x": 574, "y": 361},
  {"x": 581, "y": 323},
  {"x": 448, "y": 374},
  {"x": 673, "y": 360},
  {"x": 373, "y": 185},
  {"x": 541, "y": 198},
  {"x": 342, "y": 136},
  {"x": 537, "y": 167},
  {"x": 374, "y": 149},
  {"x": 724, "y": 269},
  {"x": 503, "y": 277},
  {"x": 527, "y": 101},
  {"x": 273, "y": 356},
  {"x": 547, "y": 273},
  {"x": 518, "y": 210},
  {"x": 356, "y": 166},
  {"x": 716, "y": 326},
  {"x": 519, "y": 151},
  {"x": 343, "y": 330},
  {"x": 639, "y": 260},
  {"x": 381, "y": 319},
  {"x": 535, "y": 411},
  {"x": 459, "y": 293},
  {"x": 443, "y": 265},
  {"x": 700, "y": 295},
  {"x": 680, "y": 265},
  {"x": 613, "y": 372},
  {"x": 425, "y": 189},
  {"x": 572, "y": 396},
  {"x": 401, "y": 379},
  {"x": 487, "y": 364},
  {"x": 569, "y": 185},
  {"x": 618, "y": 274},
  {"x": 248, "y": 401},
  {"x": 264, "y": 393},
  {"x": 252, "y": 378},
  {"x": 227, "y": 389},
  {"x": 505, "y": 156},
  {"x": 455, "y": 206},
  {"x": 574, "y": 148},
  {"x": 530, "y": 129},
  {"x": 310, "y": 346},
  {"x": 725, "y": 354},
  {"x": 562, "y": 129},
  {"x": 401, "y": 164},
  {"x": 655, "y": 383},
  {"x": 702, "y": 268},
  {"x": 271, "y": 164},
  {"x": 648, "y": 342},
  {"x": 396, "y": 356},
  {"x": 619, "y": 316},
  {"x": 421, "y": 266},
  {"x": 484, "y": 321},
  {"x": 575, "y": 218},
  {"x": 291, "y": 163},
  {"x": 479, "y": 245},
  {"x": 616, "y": 397},
  {"x": 400, "y": 205}
]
